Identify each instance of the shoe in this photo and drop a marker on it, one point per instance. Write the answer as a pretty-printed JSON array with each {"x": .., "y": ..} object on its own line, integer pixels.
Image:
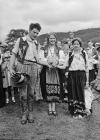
[
  {"x": 88, "y": 112},
  {"x": 75, "y": 117},
  {"x": 91, "y": 111},
  {"x": 13, "y": 99},
  {"x": 30, "y": 118},
  {"x": 7, "y": 101},
  {"x": 54, "y": 113},
  {"x": 80, "y": 116},
  {"x": 50, "y": 112},
  {"x": 24, "y": 119}
]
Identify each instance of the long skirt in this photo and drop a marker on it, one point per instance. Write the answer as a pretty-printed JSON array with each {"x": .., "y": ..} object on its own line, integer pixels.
[{"x": 76, "y": 99}]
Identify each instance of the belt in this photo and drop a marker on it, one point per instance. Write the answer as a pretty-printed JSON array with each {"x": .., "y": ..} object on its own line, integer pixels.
[{"x": 30, "y": 62}]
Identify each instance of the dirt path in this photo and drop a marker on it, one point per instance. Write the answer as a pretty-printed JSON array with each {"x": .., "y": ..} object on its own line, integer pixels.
[{"x": 62, "y": 127}]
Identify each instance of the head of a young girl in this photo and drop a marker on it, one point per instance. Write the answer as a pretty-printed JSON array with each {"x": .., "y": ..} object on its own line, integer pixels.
[
  {"x": 51, "y": 39},
  {"x": 77, "y": 44}
]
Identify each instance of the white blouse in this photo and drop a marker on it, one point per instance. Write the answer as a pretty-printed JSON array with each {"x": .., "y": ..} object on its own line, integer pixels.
[
  {"x": 31, "y": 51},
  {"x": 78, "y": 62},
  {"x": 50, "y": 53}
]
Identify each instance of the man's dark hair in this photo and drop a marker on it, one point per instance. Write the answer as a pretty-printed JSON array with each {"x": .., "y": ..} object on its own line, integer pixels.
[{"x": 35, "y": 25}]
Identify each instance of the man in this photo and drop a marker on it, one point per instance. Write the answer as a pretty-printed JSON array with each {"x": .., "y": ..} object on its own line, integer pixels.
[
  {"x": 25, "y": 50},
  {"x": 92, "y": 62},
  {"x": 71, "y": 37}
]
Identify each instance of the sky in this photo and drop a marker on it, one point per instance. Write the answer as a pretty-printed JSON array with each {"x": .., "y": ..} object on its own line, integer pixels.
[{"x": 53, "y": 15}]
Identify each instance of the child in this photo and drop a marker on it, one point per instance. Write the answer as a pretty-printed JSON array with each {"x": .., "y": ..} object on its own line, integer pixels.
[
  {"x": 6, "y": 79},
  {"x": 52, "y": 76}
]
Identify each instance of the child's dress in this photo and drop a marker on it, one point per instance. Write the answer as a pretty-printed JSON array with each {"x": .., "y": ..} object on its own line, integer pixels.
[{"x": 6, "y": 73}]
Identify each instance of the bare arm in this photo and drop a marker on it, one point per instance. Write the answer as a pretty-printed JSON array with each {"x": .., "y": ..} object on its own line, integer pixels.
[{"x": 42, "y": 59}]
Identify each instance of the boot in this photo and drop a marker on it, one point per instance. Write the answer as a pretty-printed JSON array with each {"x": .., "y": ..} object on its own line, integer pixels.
[
  {"x": 30, "y": 109},
  {"x": 24, "y": 111}
]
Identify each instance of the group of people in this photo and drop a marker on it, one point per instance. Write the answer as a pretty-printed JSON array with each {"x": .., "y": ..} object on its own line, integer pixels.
[{"x": 53, "y": 71}]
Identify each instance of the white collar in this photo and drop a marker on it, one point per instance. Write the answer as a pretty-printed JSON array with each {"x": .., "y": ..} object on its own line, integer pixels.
[{"x": 29, "y": 39}]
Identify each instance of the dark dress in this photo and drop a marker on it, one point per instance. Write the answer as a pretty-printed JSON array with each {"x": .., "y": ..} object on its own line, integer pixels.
[
  {"x": 2, "y": 95},
  {"x": 50, "y": 80},
  {"x": 76, "y": 85}
]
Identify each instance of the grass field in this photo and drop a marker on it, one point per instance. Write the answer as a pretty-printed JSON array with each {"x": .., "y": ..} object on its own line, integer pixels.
[{"x": 61, "y": 127}]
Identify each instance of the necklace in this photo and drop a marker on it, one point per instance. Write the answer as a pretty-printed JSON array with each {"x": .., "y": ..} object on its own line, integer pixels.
[{"x": 51, "y": 51}]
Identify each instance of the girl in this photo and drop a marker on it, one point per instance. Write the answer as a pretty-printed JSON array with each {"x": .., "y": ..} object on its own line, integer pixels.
[
  {"x": 50, "y": 56},
  {"x": 6, "y": 79}
]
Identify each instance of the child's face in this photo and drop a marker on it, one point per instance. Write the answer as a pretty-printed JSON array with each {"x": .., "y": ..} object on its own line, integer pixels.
[{"x": 7, "y": 59}]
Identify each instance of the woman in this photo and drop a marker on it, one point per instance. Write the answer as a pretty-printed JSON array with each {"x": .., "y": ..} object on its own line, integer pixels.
[
  {"x": 50, "y": 56},
  {"x": 77, "y": 73},
  {"x": 2, "y": 95}
]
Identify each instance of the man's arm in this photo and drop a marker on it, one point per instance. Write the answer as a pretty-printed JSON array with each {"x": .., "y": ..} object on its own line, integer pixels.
[{"x": 13, "y": 56}]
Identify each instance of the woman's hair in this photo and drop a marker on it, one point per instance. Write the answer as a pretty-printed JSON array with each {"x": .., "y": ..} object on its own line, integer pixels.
[
  {"x": 77, "y": 39},
  {"x": 35, "y": 25},
  {"x": 48, "y": 37},
  {"x": 48, "y": 43}
]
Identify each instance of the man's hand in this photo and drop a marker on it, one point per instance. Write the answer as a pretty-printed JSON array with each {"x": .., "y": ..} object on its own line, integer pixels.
[
  {"x": 12, "y": 71},
  {"x": 66, "y": 74}
]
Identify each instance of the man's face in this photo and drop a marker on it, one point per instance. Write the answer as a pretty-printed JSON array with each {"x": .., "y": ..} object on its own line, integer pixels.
[
  {"x": 8, "y": 52},
  {"x": 71, "y": 35},
  {"x": 33, "y": 33},
  {"x": 90, "y": 44}
]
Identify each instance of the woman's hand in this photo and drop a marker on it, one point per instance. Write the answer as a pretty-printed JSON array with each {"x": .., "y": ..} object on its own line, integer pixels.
[
  {"x": 66, "y": 74},
  {"x": 87, "y": 84}
]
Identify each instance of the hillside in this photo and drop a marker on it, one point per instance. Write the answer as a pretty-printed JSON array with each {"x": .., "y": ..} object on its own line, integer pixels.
[{"x": 86, "y": 35}]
